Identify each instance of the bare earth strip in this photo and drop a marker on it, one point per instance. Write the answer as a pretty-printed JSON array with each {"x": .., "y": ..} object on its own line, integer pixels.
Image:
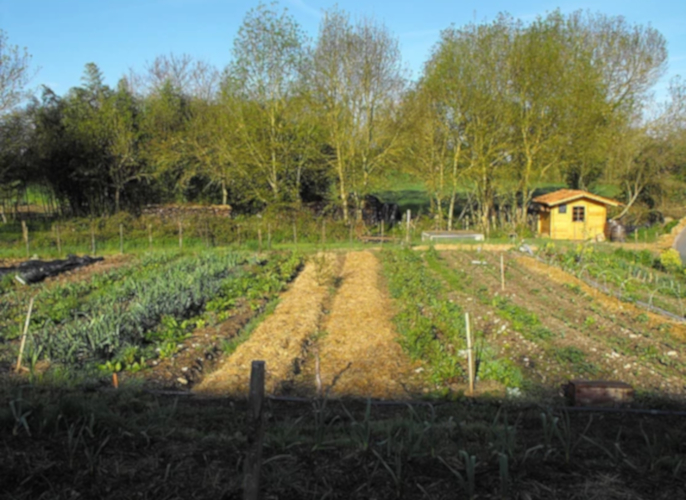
[
  {"x": 278, "y": 340},
  {"x": 359, "y": 356}
]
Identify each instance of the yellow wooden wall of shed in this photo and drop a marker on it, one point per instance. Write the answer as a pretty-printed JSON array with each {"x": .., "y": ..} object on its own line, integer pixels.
[{"x": 562, "y": 227}]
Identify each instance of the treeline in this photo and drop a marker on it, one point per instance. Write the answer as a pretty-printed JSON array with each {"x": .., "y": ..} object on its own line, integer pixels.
[{"x": 500, "y": 108}]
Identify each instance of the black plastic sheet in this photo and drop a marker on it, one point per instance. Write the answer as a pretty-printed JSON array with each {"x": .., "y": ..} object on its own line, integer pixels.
[{"x": 35, "y": 271}]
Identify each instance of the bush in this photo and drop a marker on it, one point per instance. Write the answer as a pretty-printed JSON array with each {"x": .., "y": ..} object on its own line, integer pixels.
[{"x": 670, "y": 260}]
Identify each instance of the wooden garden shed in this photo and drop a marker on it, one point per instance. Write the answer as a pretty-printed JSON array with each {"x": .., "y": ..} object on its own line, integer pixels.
[{"x": 571, "y": 214}]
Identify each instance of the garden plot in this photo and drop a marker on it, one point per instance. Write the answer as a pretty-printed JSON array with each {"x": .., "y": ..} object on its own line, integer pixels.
[
  {"x": 281, "y": 338},
  {"x": 358, "y": 352},
  {"x": 555, "y": 332}
]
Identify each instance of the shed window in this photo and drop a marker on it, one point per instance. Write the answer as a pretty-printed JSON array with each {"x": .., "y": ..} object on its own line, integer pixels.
[
  {"x": 578, "y": 215},
  {"x": 563, "y": 209}
]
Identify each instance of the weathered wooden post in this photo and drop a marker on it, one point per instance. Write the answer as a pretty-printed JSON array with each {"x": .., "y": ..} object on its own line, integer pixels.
[
  {"x": 470, "y": 355},
  {"x": 59, "y": 240},
  {"x": 259, "y": 239},
  {"x": 23, "y": 337},
  {"x": 407, "y": 230},
  {"x": 269, "y": 236},
  {"x": 25, "y": 234},
  {"x": 180, "y": 235},
  {"x": 502, "y": 273},
  {"x": 255, "y": 432},
  {"x": 323, "y": 232},
  {"x": 121, "y": 238},
  {"x": 350, "y": 236},
  {"x": 381, "y": 233},
  {"x": 150, "y": 236},
  {"x": 92, "y": 238}
]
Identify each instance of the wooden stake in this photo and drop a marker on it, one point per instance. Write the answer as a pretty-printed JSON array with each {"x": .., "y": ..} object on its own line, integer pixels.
[
  {"x": 381, "y": 233},
  {"x": 255, "y": 432},
  {"x": 323, "y": 232},
  {"x": 25, "y": 234},
  {"x": 23, "y": 337},
  {"x": 259, "y": 240},
  {"x": 121, "y": 238},
  {"x": 269, "y": 236},
  {"x": 350, "y": 236},
  {"x": 180, "y": 235},
  {"x": 470, "y": 355},
  {"x": 150, "y": 235},
  {"x": 407, "y": 230},
  {"x": 295, "y": 235},
  {"x": 502, "y": 273},
  {"x": 92, "y": 239},
  {"x": 59, "y": 241},
  {"x": 115, "y": 380}
]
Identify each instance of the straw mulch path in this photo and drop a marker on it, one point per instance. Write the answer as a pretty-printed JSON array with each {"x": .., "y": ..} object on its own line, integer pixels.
[
  {"x": 359, "y": 355},
  {"x": 279, "y": 340}
]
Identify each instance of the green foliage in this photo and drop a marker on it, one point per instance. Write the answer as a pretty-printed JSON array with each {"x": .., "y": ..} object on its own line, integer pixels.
[
  {"x": 500, "y": 370},
  {"x": 431, "y": 327},
  {"x": 525, "y": 322},
  {"x": 670, "y": 260}
]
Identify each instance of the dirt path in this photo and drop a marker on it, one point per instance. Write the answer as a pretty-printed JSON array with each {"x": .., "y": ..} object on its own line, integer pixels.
[
  {"x": 359, "y": 355},
  {"x": 280, "y": 339}
]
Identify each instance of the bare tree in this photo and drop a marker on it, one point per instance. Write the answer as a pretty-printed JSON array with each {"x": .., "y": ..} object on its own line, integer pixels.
[{"x": 15, "y": 73}]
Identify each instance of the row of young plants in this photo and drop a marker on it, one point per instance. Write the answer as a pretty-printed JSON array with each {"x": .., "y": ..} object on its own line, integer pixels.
[
  {"x": 658, "y": 281},
  {"x": 56, "y": 302},
  {"x": 490, "y": 364},
  {"x": 133, "y": 320},
  {"x": 431, "y": 326}
]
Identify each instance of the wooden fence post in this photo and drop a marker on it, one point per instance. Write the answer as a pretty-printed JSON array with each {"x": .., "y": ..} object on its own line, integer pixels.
[
  {"x": 407, "y": 230},
  {"x": 502, "y": 273},
  {"x": 470, "y": 354},
  {"x": 255, "y": 432},
  {"x": 23, "y": 337},
  {"x": 92, "y": 239},
  {"x": 25, "y": 234},
  {"x": 59, "y": 241}
]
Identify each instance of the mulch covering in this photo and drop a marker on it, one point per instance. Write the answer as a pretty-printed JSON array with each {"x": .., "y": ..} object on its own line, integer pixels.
[
  {"x": 359, "y": 355},
  {"x": 35, "y": 271},
  {"x": 279, "y": 340}
]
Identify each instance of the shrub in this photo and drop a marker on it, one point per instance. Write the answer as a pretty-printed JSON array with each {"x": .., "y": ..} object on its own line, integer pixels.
[{"x": 670, "y": 260}]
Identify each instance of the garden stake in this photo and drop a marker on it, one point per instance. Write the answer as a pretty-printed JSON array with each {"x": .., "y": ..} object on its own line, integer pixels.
[
  {"x": 255, "y": 434},
  {"x": 121, "y": 238},
  {"x": 180, "y": 235},
  {"x": 295, "y": 236},
  {"x": 115, "y": 380},
  {"x": 59, "y": 241},
  {"x": 269, "y": 236},
  {"x": 502, "y": 273},
  {"x": 470, "y": 355},
  {"x": 323, "y": 233},
  {"x": 259, "y": 240},
  {"x": 92, "y": 239},
  {"x": 23, "y": 336},
  {"x": 150, "y": 235},
  {"x": 25, "y": 233},
  {"x": 407, "y": 231},
  {"x": 381, "y": 233}
]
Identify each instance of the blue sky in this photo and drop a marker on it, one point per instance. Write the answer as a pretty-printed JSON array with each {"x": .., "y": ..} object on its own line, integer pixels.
[{"x": 118, "y": 35}]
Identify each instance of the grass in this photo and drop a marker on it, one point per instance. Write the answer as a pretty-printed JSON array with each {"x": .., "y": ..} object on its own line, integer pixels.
[{"x": 59, "y": 443}]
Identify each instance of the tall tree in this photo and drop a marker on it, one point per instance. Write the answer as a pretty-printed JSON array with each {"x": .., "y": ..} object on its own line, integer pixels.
[
  {"x": 357, "y": 83},
  {"x": 264, "y": 80},
  {"x": 15, "y": 73}
]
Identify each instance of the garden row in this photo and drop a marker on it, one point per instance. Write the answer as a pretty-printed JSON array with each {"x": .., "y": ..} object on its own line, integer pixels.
[{"x": 119, "y": 319}]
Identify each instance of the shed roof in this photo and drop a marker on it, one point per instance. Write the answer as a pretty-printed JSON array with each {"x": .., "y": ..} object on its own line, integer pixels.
[{"x": 568, "y": 195}]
